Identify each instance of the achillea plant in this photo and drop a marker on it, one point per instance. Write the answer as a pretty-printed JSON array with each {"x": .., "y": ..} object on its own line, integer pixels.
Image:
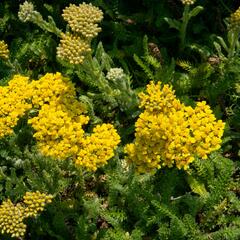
[
  {"x": 12, "y": 216},
  {"x": 169, "y": 133},
  {"x": 4, "y": 52},
  {"x": 75, "y": 49}
]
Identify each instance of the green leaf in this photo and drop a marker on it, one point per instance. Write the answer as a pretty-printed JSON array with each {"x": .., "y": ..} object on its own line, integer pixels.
[
  {"x": 197, "y": 186},
  {"x": 222, "y": 42},
  {"x": 196, "y": 11},
  {"x": 173, "y": 23}
]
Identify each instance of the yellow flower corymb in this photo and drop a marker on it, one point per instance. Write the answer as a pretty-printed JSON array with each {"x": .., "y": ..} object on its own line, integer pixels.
[
  {"x": 58, "y": 120},
  {"x": 12, "y": 216},
  {"x": 169, "y": 133},
  {"x": 13, "y": 102}
]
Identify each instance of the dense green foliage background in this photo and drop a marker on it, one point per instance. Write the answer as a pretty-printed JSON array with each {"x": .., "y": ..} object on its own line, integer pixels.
[{"x": 114, "y": 202}]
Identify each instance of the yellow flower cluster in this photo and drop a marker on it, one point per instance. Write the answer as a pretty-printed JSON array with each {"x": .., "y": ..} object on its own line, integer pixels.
[
  {"x": 73, "y": 48},
  {"x": 83, "y": 19},
  {"x": 11, "y": 219},
  {"x": 235, "y": 19},
  {"x": 4, "y": 52},
  {"x": 12, "y": 216},
  {"x": 35, "y": 202},
  {"x": 188, "y": 2},
  {"x": 59, "y": 121},
  {"x": 98, "y": 147},
  {"x": 59, "y": 125},
  {"x": 58, "y": 134},
  {"x": 169, "y": 133},
  {"x": 14, "y": 104}
]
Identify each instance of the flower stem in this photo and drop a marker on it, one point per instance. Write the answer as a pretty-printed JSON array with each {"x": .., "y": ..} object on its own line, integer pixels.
[{"x": 185, "y": 20}]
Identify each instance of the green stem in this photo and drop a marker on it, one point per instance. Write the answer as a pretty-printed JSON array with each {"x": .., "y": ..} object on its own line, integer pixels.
[
  {"x": 46, "y": 26},
  {"x": 183, "y": 29}
]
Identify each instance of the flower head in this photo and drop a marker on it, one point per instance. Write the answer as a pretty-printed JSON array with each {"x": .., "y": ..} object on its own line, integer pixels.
[
  {"x": 115, "y": 74},
  {"x": 83, "y": 19},
  {"x": 235, "y": 19},
  {"x": 12, "y": 215},
  {"x": 4, "y": 52},
  {"x": 35, "y": 203},
  {"x": 26, "y": 11},
  {"x": 188, "y": 2},
  {"x": 169, "y": 133},
  {"x": 14, "y": 103},
  {"x": 72, "y": 48},
  {"x": 98, "y": 148},
  {"x": 11, "y": 219}
]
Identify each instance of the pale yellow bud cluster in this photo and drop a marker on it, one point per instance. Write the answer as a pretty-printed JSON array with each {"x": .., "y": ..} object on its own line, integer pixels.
[
  {"x": 12, "y": 216},
  {"x": 188, "y": 2},
  {"x": 235, "y": 19},
  {"x": 26, "y": 11},
  {"x": 72, "y": 48},
  {"x": 83, "y": 19},
  {"x": 115, "y": 74},
  {"x": 4, "y": 52},
  {"x": 35, "y": 202},
  {"x": 169, "y": 133}
]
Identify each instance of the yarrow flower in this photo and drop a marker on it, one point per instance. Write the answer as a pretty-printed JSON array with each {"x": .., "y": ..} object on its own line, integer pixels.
[
  {"x": 188, "y": 2},
  {"x": 58, "y": 122},
  {"x": 98, "y": 147},
  {"x": 4, "y": 52},
  {"x": 83, "y": 19},
  {"x": 235, "y": 19},
  {"x": 26, "y": 12},
  {"x": 115, "y": 74},
  {"x": 35, "y": 203},
  {"x": 14, "y": 104},
  {"x": 12, "y": 216},
  {"x": 11, "y": 219},
  {"x": 169, "y": 133},
  {"x": 59, "y": 126},
  {"x": 72, "y": 48}
]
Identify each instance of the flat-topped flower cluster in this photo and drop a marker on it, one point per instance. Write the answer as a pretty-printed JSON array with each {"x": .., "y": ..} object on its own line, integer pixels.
[
  {"x": 58, "y": 122},
  {"x": 12, "y": 215},
  {"x": 169, "y": 133},
  {"x": 83, "y": 21}
]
